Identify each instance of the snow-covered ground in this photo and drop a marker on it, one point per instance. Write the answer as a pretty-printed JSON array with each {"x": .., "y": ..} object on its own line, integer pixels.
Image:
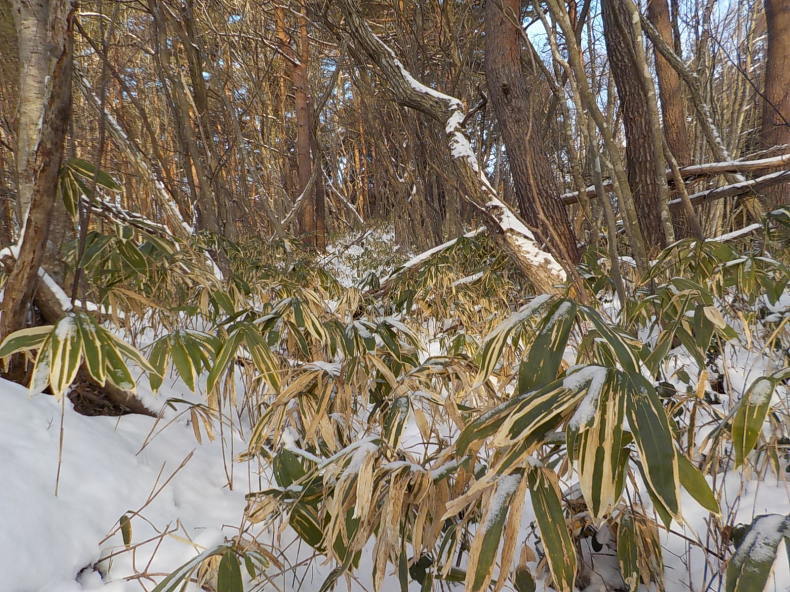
[{"x": 109, "y": 466}]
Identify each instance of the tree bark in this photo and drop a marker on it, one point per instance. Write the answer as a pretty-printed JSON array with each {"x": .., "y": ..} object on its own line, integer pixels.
[
  {"x": 640, "y": 151},
  {"x": 673, "y": 108},
  {"x": 776, "y": 105},
  {"x": 44, "y": 30},
  {"x": 302, "y": 109},
  {"x": 517, "y": 110}
]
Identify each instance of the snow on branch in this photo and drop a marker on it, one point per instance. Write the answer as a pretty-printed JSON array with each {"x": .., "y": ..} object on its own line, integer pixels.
[{"x": 698, "y": 170}]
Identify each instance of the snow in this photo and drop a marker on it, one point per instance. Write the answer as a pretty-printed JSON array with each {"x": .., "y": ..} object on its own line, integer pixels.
[
  {"x": 595, "y": 376},
  {"x": 736, "y": 233},
  {"x": 505, "y": 488},
  {"x": 763, "y": 537},
  {"x": 65, "y": 328},
  {"x": 523, "y": 313},
  {"x": 46, "y": 540},
  {"x": 761, "y": 392}
]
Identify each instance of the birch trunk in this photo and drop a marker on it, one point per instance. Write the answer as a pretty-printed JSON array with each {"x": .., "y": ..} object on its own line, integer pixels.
[{"x": 45, "y": 65}]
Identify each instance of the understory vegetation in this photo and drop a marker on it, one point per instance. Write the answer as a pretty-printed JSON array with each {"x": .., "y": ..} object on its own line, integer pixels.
[{"x": 417, "y": 411}]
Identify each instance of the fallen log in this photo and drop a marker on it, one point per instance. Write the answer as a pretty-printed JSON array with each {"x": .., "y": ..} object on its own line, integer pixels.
[
  {"x": 736, "y": 189},
  {"x": 53, "y": 304},
  {"x": 698, "y": 170}
]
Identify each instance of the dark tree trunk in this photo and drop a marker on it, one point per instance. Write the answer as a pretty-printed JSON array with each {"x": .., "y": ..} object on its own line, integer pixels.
[
  {"x": 639, "y": 152},
  {"x": 304, "y": 159},
  {"x": 516, "y": 103},
  {"x": 776, "y": 107}
]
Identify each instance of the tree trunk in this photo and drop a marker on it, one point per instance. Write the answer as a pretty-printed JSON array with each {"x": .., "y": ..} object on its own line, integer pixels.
[
  {"x": 44, "y": 32},
  {"x": 673, "y": 108},
  {"x": 640, "y": 151},
  {"x": 303, "y": 111},
  {"x": 518, "y": 114},
  {"x": 776, "y": 106}
]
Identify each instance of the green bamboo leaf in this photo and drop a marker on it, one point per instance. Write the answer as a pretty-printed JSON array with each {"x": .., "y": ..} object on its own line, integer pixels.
[
  {"x": 620, "y": 344},
  {"x": 159, "y": 358},
  {"x": 694, "y": 482},
  {"x": 225, "y": 359},
  {"x": 545, "y": 354},
  {"x": 523, "y": 580},
  {"x": 229, "y": 573},
  {"x": 66, "y": 190},
  {"x": 653, "y": 437},
  {"x": 117, "y": 370},
  {"x": 65, "y": 356},
  {"x": 557, "y": 541},
  {"x": 599, "y": 421},
  {"x": 489, "y": 533},
  {"x": 183, "y": 363},
  {"x": 495, "y": 341},
  {"x": 124, "y": 349},
  {"x": 749, "y": 568},
  {"x": 132, "y": 255},
  {"x": 24, "y": 340},
  {"x": 750, "y": 416},
  {"x": 91, "y": 348},
  {"x": 88, "y": 170},
  {"x": 287, "y": 468},
  {"x": 627, "y": 551},
  {"x": 261, "y": 356},
  {"x": 304, "y": 521}
]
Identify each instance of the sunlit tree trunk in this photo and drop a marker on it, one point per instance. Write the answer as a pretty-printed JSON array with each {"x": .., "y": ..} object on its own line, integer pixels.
[
  {"x": 776, "y": 106},
  {"x": 45, "y": 65}
]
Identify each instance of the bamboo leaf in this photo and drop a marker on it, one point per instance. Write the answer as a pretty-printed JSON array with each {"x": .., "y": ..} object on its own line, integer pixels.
[
  {"x": 24, "y": 340},
  {"x": 91, "y": 349},
  {"x": 489, "y": 534},
  {"x": 126, "y": 530},
  {"x": 560, "y": 550},
  {"x": 749, "y": 568},
  {"x": 494, "y": 343},
  {"x": 88, "y": 170},
  {"x": 749, "y": 419},
  {"x": 229, "y": 573},
  {"x": 653, "y": 437},
  {"x": 627, "y": 551},
  {"x": 694, "y": 482},
  {"x": 601, "y": 443},
  {"x": 65, "y": 356}
]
